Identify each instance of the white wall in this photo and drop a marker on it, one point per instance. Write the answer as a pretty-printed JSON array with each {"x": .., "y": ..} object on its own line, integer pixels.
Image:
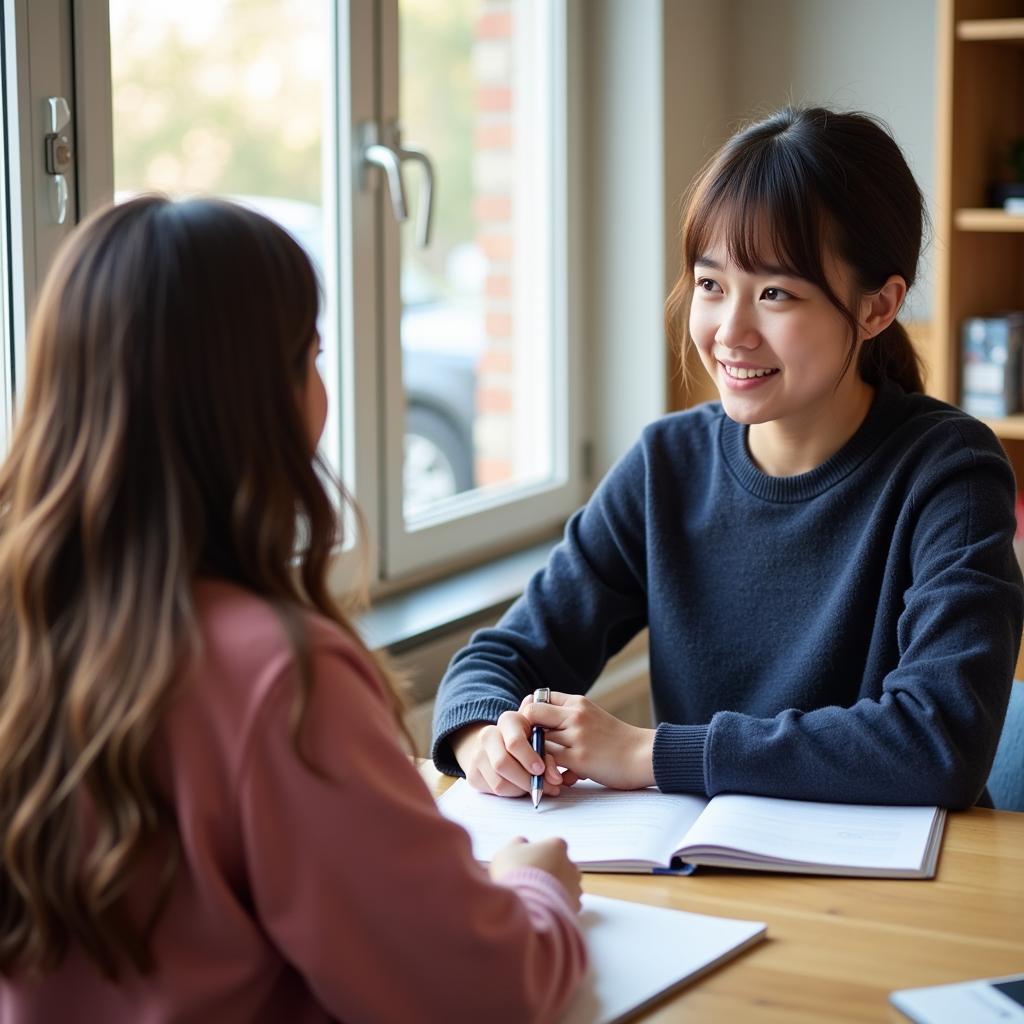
[
  {"x": 624, "y": 222},
  {"x": 655, "y": 109},
  {"x": 697, "y": 118}
]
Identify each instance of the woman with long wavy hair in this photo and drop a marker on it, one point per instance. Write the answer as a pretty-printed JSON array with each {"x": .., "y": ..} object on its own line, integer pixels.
[{"x": 204, "y": 808}]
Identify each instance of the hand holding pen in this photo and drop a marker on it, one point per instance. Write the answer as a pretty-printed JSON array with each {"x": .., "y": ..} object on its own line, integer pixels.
[
  {"x": 580, "y": 740},
  {"x": 542, "y": 695},
  {"x": 499, "y": 758}
]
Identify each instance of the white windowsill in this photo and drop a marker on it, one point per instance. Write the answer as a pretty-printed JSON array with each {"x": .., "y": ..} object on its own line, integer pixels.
[{"x": 404, "y": 621}]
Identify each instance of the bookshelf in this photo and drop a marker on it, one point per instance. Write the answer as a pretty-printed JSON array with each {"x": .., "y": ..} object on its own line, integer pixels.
[
  {"x": 987, "y": 220},
  {"x": 978, "y": 251}
]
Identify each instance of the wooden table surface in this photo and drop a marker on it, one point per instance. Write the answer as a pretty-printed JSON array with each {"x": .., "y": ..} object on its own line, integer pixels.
[{"x": 837, "y": 947}]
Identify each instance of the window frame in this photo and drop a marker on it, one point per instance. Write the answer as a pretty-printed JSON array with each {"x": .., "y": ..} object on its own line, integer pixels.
[
  {"x": 485, "y": 524},
  {"x": 57, "y": 47},
  {"x": 7, "y": 305}
]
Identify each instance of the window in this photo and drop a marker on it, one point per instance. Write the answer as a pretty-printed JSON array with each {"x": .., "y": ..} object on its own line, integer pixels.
[
  {"x": 479, "y": 87},
  {"x": 358, "y": 125},
  {"x": 6, "y": 323},
  {"x": 39, "y": 208}
]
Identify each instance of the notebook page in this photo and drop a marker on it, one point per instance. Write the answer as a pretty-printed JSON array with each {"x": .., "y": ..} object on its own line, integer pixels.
[
  {"x": 638, "y": 953},
  {"x": 849, "y": 835},
  {"x": 599, "y": 824}
]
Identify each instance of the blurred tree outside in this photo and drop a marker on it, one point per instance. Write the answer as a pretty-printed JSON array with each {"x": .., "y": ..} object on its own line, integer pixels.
[
  {"x": 437, "y": 100},
  {"x": 227, "y": 97},
  {"x": 219, "y": 96}
]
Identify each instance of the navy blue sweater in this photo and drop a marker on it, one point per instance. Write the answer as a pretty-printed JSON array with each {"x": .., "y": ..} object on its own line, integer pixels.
[{"x": 848, "y": 634}]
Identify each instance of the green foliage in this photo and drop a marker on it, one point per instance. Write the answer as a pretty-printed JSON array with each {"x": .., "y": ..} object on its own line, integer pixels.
[
  {"x": 437, "y": 101},
  {"x": 236, "y": 108},
  {"x": 227, "y": 96}
]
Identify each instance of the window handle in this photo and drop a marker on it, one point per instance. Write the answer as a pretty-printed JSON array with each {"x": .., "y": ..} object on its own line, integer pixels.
[
  {"x": 57, "y": 154},
  {"x": 425, "y": 212},
  {"x": 390, "y": 162},
  {"x": 389, "y": 157}
]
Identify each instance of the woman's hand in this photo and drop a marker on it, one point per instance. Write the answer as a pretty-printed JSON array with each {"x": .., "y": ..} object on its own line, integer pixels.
[
  {"x": 591, "y": 742},
  {"x": 499, "y": 759},
  {"x": 547, "y": 854}
]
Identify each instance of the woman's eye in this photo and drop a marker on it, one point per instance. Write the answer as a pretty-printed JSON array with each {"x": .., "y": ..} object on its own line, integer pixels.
[
  {"x": 775, "y": 294},
  {"x": 705, "y": 284}
]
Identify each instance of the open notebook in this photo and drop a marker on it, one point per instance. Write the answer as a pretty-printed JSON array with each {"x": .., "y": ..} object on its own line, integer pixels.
[
  {"x": 647, "y": 830},
  {"x": 639, "y": 954}
]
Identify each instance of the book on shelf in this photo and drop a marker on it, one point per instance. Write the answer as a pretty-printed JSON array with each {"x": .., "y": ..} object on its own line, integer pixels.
[
  {"x": 639, "y": 954},
  {"x": 649, "y": 831},
  {"x": 991, "y": 348}
]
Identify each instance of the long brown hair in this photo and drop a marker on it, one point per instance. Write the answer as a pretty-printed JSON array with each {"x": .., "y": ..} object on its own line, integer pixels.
[
  {"x": 161, "y": 438},
  {"x": 800, "y": 181}
]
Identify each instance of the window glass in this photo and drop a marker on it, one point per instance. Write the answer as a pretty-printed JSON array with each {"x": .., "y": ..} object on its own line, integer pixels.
[
  {"x": 231, "y": 97},
  {"x": 6, "y": 319},
  {"x": 478, "y": 343}
]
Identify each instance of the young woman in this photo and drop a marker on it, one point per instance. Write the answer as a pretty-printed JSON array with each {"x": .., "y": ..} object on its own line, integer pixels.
[
  {"x": 823, "y": 557},
  {"x": 206, "y": 815}
]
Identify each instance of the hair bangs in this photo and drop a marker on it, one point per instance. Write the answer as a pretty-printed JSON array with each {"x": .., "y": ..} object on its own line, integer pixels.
[{"x": 760, "y": 205}]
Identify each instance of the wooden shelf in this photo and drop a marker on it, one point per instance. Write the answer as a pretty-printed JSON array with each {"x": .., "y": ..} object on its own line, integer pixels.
[
  {"x": 987, "y": 219},
  {"x": 1009, "y": 428},
  {"x": 992, "y": 30},
  {"x": 980, "y": 266}
]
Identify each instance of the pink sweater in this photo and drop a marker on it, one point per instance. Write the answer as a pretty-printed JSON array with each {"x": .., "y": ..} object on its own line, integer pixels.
[{"x": 303, "y": 900}]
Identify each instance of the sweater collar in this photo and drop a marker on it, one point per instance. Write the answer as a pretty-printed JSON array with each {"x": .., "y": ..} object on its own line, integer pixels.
[{"x": 876, "y": 426}]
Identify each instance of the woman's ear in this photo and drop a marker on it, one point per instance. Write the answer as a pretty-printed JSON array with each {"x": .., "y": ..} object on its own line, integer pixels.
[{"x": 879, "y": 308}]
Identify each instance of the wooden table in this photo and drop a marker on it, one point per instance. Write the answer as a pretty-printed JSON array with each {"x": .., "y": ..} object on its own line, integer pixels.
[{"x": 837, "y": 947}]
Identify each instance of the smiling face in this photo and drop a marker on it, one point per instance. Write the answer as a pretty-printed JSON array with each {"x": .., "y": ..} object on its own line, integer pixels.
[
  {"x": 776, "y": 347},
  {"x": 781, "y": 322}
]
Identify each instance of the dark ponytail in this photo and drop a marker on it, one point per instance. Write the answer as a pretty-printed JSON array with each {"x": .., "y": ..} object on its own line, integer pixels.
[
  {"x": 796, "y": 184},
  {"x": 891, "y": 355}
]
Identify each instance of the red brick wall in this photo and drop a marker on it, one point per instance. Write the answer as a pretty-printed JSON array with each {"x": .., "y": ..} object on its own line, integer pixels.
[{"x": 492, "y": 183}]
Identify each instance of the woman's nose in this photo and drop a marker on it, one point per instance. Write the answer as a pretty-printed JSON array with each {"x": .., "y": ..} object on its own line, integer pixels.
[{"x": 737, "y": 329}]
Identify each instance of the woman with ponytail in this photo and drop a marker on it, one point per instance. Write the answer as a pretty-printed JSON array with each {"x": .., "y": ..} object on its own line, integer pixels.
[
  {"x": 822, "y": 557},
  {"x": 205, "y": 811}
]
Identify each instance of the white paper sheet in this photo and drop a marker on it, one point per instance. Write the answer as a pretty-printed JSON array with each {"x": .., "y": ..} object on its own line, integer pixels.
[
  {"x": 848, "y": 835},
  {"x": 638, "y": 953},
  {"x": 599, "y": 824}
]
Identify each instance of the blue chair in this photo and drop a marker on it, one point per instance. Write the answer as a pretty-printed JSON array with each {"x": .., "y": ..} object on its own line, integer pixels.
[{"x": 1006, "y": 780}]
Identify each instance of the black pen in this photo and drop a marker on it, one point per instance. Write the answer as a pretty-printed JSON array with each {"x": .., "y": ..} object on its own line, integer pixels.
[{"x": 540, "y": 696}]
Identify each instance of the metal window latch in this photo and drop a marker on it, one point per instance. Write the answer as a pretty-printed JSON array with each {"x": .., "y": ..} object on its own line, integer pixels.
[
  {"x": 424, "y": 214},
  {"x": 389, "y": 156},
  {"x": 57, "y": 155}
]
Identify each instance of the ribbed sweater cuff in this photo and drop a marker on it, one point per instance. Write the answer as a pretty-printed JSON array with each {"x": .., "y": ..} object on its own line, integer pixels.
[
  {"x": 679, "y": 758},
  {"x": 485, "y": 710},
  {"x": 539, "y": 879}
]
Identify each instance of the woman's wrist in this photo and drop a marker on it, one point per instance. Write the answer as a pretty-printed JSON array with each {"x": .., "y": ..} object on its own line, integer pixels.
[
  {"x": 463, "y": 743},
  {"x": 643, "y": 758}
]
